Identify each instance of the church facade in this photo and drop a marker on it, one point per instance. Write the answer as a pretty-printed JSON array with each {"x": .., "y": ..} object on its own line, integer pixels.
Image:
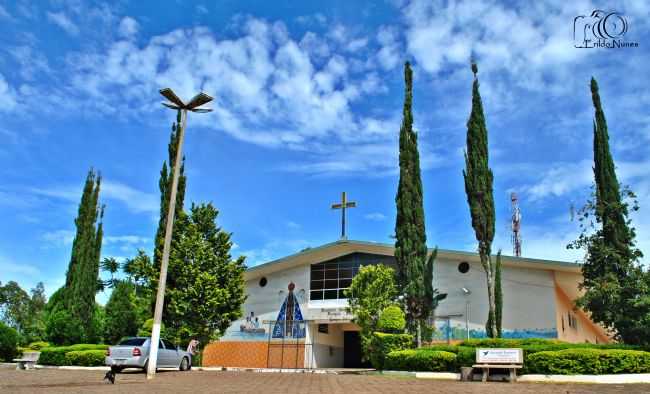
[{"x": 295, "y": 315}]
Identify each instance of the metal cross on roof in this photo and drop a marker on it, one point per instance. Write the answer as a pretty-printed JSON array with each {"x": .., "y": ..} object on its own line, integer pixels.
[{"x": 343, "y": 206}]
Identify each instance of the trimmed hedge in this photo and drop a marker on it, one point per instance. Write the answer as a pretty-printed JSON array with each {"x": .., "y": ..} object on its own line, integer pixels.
[
  {"x": 465, "y": 356},
  {"x": 85, "y": 358},
  {"x": 555, "y": 357},
  {"x": 420, "y": 360},
  {"x": 382, "y": 343},
  {"x": 589, "y": 361},
  {"x": 57, "y": 355},
  {"x": 38, "y": 345},
  {"x": 391, "y": 320}
]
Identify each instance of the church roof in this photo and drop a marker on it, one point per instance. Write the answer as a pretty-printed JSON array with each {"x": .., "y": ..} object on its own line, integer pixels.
[{"x": 344, "y": 247}]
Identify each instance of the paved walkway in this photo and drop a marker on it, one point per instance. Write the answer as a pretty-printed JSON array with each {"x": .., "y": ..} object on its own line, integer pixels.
[{"x": 65, "y": 381}]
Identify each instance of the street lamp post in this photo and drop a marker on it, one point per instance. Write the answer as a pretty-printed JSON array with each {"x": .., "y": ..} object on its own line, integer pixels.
[
  {"x": 467, "y": 292},
  {"x": 178, "y": 105}
]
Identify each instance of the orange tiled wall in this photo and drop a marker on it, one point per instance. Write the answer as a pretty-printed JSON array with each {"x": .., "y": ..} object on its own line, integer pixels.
[{"x": 253, "y": 355}]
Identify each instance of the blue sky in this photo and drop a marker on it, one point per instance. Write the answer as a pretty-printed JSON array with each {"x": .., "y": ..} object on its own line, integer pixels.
[{"x": 308, "y": 102}]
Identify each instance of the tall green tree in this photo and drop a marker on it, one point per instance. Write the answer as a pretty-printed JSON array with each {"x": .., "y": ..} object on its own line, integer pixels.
[
  {"x": 372, "y": 290},
  {"x": 478, "y": 187},
  {"x": 14, "y": 306},
  {"x": 411, "y": 239},
  {"x": 121, "y": 313},
  {"x": 207, "y": 292},
  {"x": 165, "y": 186},
  {"x": 82, "y": 278},
  {"x": 617, "y": 289}
]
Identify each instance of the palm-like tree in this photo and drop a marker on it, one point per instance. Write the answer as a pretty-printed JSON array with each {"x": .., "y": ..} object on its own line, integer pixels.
[{"x": 110, "y": 265}]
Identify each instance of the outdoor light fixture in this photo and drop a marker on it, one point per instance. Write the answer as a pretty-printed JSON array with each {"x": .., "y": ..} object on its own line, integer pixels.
[
  {"x": 466, "y": 291},
  {"x": 177, "y": 104}
]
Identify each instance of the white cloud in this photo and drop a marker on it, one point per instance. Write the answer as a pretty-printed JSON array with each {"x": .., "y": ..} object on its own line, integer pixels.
[
  {"x": 388, "y": 55},
  {"x": 3, "y": 13},
  {"x": 128, "y": 27},
  {"x": 563, "y": 178},
  {"x": 63, "y": 21},
  {"x": 293, "y": 225},
  {"x": 59, "y": 237},
  {"x": 272, "y": 90},
  {"x": 11, "y": 269},
  {"x": 375, "y": 216},
  {"x": 135, "y": 200},
  {"x": 126, "y": 239},
  {"x": 8, "y": 98}
]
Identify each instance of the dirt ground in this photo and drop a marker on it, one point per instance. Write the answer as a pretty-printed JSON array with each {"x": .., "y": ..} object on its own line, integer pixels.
[{"x": 65, "y": 381}]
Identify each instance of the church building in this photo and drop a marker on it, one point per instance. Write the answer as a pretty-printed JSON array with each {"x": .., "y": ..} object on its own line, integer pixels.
[{"x": 295, "y": 315}]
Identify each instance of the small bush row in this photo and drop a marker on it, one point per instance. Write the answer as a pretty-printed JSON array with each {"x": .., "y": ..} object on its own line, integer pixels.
[
  {"x": 85, "y": 358},
  {"x": 589, "y": 362},
  {"x": 57, "y": 355},
  {"x": 382, "y": 344},
  {"x": 420, "y": 360}
]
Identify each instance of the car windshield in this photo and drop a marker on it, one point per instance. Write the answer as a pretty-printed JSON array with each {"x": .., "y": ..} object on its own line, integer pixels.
[{"x": 133, "y": 342}]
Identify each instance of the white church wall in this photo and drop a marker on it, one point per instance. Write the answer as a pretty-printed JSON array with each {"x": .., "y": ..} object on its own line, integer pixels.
[
  {"x": 528, "y": 301},
  {"x": 265, "y": 302}
]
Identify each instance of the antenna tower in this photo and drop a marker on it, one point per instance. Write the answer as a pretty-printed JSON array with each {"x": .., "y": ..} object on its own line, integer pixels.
[{"x": 516, "y": 224}]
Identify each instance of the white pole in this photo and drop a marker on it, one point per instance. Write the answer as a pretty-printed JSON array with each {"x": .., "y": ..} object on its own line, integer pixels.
[
  {"x": 160, "y": 295},
  {"x": 467, "y": 317}
]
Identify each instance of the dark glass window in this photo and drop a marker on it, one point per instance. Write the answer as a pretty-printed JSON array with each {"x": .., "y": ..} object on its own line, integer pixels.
[
  {"x": 133, "y": 342},
  {"x": 330, "y": 279},
  {"x": 263, "y": 281},
  {"x": 463, "y": 267}
]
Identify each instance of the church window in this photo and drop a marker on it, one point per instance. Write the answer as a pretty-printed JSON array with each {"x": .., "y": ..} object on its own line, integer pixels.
[{"x": 330, "y": 279}]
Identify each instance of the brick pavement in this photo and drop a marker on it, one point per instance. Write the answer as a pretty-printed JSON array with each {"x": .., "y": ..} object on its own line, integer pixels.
[{"x": 64, "y": 381}]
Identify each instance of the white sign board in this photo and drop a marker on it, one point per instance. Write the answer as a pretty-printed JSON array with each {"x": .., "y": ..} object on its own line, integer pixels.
[{"x": 499, "y": 356}]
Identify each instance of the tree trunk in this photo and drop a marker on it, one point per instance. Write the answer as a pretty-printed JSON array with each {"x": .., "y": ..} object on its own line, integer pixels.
[
  {"x": 419, "y": 333},
  {"x": 491, "y": 330}
]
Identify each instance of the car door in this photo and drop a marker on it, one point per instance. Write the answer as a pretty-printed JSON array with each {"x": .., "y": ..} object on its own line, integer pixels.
[
  {"x": 171, "y": 354},
  {"x": 163, "y": 357}
]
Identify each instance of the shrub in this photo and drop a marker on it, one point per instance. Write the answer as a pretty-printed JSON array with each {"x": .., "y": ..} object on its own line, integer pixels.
[
  {"x": 589, "y": 361},
  {"x": 38, "y": 345},
  {"x": 420, "y": 360},
  {"x": 85, "y": 358},
  {"x": 62, "y": 329},
  {"x": 465, "y": 356},
  {"x": 57, "y": 355},
  {"x": 8, "y": 342},
  {"x": 391, "y": 320},
  {"x": 382, "y": 343}
]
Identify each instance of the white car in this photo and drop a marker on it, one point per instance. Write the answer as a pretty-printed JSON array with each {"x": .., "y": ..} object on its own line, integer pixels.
[{"x": 134, "y": 353}]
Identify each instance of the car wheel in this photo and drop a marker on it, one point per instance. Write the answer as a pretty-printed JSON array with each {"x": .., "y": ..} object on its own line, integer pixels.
[
  {"x": 146, "y": 366},
  {"x": 185, "y": 364}
]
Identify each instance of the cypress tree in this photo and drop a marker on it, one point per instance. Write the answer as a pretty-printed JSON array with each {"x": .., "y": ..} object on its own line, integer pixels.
[
  {"x": 82, "y": 278},
  {"x": 165, "y": 185},
  {"x": 615, "y": 285},
  {"x": 478, "y": 187},
  {"x": 410, "y": 244}
]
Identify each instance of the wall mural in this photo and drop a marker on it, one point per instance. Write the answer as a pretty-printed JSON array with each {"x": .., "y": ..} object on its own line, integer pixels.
[
  {"x": 289, "y": 323},
  {"x": 454, "y": 329}
]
